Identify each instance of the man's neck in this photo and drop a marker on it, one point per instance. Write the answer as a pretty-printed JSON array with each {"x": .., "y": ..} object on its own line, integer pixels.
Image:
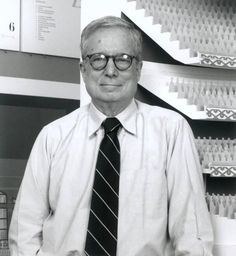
[{"x": 112, "y": 108}]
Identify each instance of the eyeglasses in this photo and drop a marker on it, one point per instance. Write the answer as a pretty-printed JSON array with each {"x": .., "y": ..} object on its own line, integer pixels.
[{"x": 99, "y": 61}]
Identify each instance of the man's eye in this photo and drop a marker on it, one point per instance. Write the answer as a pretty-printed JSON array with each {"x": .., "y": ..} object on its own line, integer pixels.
[
  {"x": 122, "y": 60},
  {"x": 123, "y": 57},
  {"x": 98, "y": 58}
]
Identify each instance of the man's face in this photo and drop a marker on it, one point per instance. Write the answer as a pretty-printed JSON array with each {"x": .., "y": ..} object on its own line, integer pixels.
[{"x": 111, "y": 85}]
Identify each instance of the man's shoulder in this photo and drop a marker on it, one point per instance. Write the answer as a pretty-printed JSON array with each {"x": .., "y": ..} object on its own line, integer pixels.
[
  {"x": 67, "y": 122},
  {"x": 156, "y": 112}
]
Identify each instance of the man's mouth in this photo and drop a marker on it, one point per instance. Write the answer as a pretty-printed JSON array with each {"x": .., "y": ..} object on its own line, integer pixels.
[{"x": 107, "y": 84}]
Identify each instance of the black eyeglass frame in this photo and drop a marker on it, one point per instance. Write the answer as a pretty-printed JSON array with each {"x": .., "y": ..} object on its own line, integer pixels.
[{"x": 107, "y": 57}]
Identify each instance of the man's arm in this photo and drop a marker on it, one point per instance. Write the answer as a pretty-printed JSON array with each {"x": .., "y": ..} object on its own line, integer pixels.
[
  {"x": 32, "y": 207},
  {"x": 189, "y": 221}
]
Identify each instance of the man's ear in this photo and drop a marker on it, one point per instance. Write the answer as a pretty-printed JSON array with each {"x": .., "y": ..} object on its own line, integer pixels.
[
  {"x": 82, "y": 67},
  {"x": 82, "y": 70},
  {"x": 141, "y": 65},
  {"x": 139, "y": 69}
]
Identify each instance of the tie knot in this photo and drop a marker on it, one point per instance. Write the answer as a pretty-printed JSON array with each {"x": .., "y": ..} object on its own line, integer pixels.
[{"x": 111, "y": 124}]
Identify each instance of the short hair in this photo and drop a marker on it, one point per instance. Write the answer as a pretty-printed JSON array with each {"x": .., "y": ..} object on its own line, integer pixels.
[{"x": 112, "y": 22}]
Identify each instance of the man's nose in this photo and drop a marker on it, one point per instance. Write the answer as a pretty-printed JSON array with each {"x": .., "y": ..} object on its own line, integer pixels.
[{"x": 111, "y": 69}]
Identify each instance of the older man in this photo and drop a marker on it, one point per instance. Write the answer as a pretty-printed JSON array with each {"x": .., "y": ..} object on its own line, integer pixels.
[{"x": 115, "y": 177}]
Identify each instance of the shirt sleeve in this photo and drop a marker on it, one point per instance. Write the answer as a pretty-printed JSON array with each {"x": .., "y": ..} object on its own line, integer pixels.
[
  {"x": 189, "y": 221},
  {"x": 32, "y": 206}
]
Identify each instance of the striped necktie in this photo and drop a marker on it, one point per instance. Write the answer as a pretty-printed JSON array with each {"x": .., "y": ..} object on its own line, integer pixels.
[{"x": 101, "y": 237}]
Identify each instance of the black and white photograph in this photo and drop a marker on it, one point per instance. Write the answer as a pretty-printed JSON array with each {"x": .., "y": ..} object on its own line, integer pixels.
[{"x": 118, "y": 128}]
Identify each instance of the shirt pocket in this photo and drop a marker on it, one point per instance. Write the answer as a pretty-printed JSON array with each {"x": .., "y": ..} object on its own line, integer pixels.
[{"x": 143, "y": 192}]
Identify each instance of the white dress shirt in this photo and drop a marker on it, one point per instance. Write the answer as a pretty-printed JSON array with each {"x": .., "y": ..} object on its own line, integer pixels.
[{"x": 162, "y": 210}]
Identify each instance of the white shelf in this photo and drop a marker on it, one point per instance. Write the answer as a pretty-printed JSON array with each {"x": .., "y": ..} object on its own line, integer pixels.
[{"x": 155, "y": 77}]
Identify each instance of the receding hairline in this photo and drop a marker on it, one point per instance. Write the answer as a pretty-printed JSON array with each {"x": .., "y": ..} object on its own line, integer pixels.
[
  {"x": 106, "y": 22},
  {"x": 110, "y": 22},
  {"x": 94, "y": 30}
]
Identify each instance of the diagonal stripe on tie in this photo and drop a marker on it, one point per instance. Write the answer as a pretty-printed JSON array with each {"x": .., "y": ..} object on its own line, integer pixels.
[
  {"x": 93, "y": 242},
  {"x": 103, "y": 224},
  {"x": 111, "y": 181},
  {"x": 110, "y": 162},
  {"x": 104, "y": 205},
  {"x": 113, "y": 143},
  {"x": 103, "y": 219},
  {"x": 108, "y": 184},
  {"x": 106, "y": 161}
]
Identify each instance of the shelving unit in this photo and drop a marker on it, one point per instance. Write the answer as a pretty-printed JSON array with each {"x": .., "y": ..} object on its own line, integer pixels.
[
  {"x": 198, "y": 33},
  {"x": 192, "y": 90}
]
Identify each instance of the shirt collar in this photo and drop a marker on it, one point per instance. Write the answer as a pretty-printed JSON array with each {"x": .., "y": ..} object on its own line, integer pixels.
[{"x": 127, "y": 118}]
